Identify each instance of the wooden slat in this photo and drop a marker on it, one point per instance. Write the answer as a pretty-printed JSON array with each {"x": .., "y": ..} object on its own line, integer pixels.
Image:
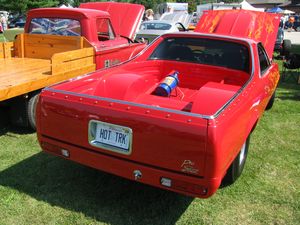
[
  {"x": 62, "y": 62},
  {"x": 72, "y": 55},
  {"x": 1, "y": 50},
  {"x": 19, "y": 46},
  {"x": 6, "y": 49},
  {"x": 34, "y": 74},
  {"x": 44, "y": 46},
  {"x": 41, "y": 81},
  {"x": 76, "y": 64},
  {"x": 23, "y": 72}
]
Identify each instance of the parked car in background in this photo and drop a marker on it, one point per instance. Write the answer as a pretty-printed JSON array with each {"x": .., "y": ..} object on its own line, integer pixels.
[
  {"x": 280, "y": 37},
  {"x": 150, "y": 30},
  {"x": 193, "y": 21},
  {"x": 183, "y": 17},
  {"x": 17, "y": 21},
  {"x": 282, "y": 45}
]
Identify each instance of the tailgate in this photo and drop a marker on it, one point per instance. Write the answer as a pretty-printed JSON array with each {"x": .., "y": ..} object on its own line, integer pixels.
[{"x": 169, "y": 140}]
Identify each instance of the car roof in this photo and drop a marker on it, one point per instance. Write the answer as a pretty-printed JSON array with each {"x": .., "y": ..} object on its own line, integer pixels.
[{"x": 86, "y": 13}]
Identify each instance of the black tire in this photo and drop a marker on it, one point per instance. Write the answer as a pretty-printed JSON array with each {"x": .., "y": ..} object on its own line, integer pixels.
[
  {"x": 237, "y": 166},
  {"x": 18, "y": 111},
  {"x": 271, "y": 102},
  {"x": 286, "y": 47},
  {"x": 31, "y": 110}
]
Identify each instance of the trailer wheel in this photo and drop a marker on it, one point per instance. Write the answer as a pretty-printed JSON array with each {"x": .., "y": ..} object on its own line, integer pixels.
[
  {"x": 237, "y": 166},
  {"x": 31, "y": 110}
]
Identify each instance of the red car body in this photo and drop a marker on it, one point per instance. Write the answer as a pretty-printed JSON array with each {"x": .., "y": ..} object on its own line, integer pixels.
[
  {"x": 107, "y": 52},
  {"x": 186, "y": 142}
]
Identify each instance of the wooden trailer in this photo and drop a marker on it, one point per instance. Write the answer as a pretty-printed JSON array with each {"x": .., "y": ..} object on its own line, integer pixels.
[{"x": 35, "y": 61}]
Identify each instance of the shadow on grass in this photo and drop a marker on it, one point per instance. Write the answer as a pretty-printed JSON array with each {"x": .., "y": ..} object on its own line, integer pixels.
[
  {"x": 14, "y": 129},
  {"x": 6, "y": 127},
  {"x": 98, "y": 195},
  {"x": 288, "y": 90}
]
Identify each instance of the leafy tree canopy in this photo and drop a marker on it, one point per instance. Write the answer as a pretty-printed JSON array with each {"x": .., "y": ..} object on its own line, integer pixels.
[{"x": 24, "y": 5}]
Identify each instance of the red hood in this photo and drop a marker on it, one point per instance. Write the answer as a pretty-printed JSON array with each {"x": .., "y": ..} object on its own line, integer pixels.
[
  {"x": 125, "y": 17},
  {"x": 258, "y": 26}
]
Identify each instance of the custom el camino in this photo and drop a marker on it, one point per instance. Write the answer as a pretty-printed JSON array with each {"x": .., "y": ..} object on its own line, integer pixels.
[{"x": 179, "y": 115}]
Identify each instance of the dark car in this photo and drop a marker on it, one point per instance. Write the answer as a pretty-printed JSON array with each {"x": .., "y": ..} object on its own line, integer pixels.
[
  {"x": 282, "y": 45},
  {"x": 18, "y": 21},
  {"x": 280, "y": 37}
]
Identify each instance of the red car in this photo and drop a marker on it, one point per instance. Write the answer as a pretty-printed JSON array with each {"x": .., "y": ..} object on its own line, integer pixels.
[{"x": 179, "y": 115}]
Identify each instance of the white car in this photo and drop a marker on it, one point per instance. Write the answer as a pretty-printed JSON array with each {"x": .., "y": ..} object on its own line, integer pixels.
[{"x": 149, "y": 30}]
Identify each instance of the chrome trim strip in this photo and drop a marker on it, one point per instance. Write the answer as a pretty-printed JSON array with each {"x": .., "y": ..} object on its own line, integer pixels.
[{"x": 128, "y": 103}]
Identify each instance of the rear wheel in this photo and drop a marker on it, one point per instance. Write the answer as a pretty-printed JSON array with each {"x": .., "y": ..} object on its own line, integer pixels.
[
  {"x": 31, "y": 110},
  {"x": 237, "y": 166},
  {"x": 271, "y": 102}
]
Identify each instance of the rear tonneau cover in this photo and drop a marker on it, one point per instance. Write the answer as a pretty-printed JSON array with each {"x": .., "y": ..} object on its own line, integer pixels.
[
  {"x": 258, "y": 26},
  {"x": 125, "y": 17}
]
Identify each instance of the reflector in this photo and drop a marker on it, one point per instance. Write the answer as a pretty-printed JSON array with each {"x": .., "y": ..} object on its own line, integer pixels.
[
  {"x": 65, "y": 153},
  {"x": 166, "y": 182}
]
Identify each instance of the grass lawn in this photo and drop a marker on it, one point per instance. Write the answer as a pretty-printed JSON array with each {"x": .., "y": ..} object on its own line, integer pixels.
[
  {"x": 2, "y": 38},
  {"x": 36, "y": 188}
]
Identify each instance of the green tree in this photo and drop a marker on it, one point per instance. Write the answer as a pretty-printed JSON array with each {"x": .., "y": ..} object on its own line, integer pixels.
[
  {"x": 76, "y": 3},
  {"x": 24, "y": 5},
  {"x": 65, "y": 2},
  {"x": 41, "y": 3},
  {"x": 15, "y": 6}
]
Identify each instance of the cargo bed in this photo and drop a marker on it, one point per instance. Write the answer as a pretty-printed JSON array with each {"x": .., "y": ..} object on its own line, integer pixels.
[{"x": 35, "y": 61}]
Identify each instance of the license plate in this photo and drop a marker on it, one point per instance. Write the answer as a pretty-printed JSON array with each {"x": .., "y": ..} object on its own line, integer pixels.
[{"x": 110, "y": 136}]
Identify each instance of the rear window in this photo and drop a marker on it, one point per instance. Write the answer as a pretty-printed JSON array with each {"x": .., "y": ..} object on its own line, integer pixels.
[
  {"x": 104, "y": 30},
  {"x": 55, "y": 26},
  {"x": 204, "y": 51}
]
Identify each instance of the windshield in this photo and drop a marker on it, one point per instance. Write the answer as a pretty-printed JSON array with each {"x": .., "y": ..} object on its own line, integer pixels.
[
  {"x": 55, "y": 26},
  {"x": 155, "y": 26},
  {"x": 204, "y": 51}
]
